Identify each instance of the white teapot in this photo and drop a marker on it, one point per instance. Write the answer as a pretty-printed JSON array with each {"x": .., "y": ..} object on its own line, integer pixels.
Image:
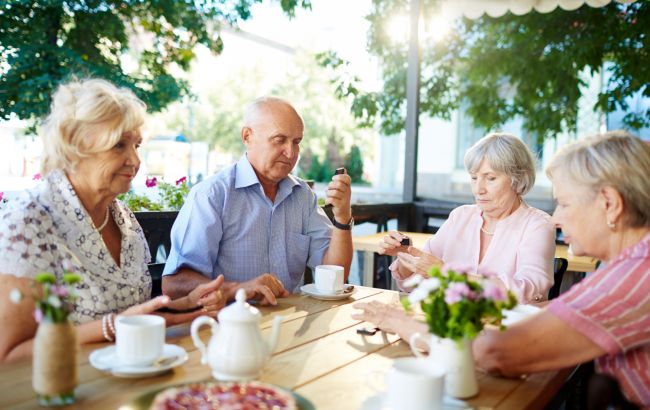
[{"x": 236, "y": 350}]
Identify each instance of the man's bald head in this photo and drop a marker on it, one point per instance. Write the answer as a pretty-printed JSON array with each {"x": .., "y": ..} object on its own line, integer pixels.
[
  {"x": 268, "y": 109},
  {"x": 272, "y": 133}
]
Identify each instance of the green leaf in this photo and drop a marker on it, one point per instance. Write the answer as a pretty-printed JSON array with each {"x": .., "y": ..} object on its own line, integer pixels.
[{"x": 45, "y": 277}]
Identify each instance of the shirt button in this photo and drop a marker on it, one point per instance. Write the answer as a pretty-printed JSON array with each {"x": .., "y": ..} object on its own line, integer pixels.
[{"x": 132, "y": 290}]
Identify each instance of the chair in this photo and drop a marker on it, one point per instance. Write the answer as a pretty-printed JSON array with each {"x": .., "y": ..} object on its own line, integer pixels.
[
  {"x": 157, "y": 227},
  {"x": 560, "y": 266}
]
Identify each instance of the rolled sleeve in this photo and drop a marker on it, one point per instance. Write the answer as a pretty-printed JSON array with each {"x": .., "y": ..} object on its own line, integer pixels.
[{"x": 195, "y": 236}]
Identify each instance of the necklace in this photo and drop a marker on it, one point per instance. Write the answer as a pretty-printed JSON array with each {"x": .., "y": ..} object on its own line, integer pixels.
[
  {"x": 485, "y": 231},
  {"x": 103, "y": 225}
]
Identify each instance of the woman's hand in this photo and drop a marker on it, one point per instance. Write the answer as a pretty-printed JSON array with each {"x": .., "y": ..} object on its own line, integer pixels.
[
  {"x": 208, "y": 295},
  {"x": 417, "y": 261},
  {"x": 389, "y": 318},
  {"x": 151, "y": 306},
  {"x": 392, "y": 243}
]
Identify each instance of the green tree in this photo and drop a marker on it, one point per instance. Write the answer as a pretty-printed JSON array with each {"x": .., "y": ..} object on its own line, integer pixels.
[
  {"x": 43, "y": 43},
  {"x": 513, "y": 66},
  {"x": 354, "y": 164}
]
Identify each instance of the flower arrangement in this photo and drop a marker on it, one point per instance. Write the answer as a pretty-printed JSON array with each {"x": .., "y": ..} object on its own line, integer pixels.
[
  {"x": 171, "y": 196},
  {"x": 54, "y": 303},
  {"x": 455, "y": 306}
]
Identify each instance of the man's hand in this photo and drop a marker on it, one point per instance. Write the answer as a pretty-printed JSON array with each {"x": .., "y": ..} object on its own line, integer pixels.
[
  {"x": 264, "y": 288},
  {"x": 338, "y": 195}
]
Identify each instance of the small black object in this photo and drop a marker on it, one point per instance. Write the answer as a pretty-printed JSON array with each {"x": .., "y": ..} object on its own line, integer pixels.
[
  {"x": 166, "y": 309},
  {"x": 368, "y": 332},
  {"x": 406, "y": 241}
]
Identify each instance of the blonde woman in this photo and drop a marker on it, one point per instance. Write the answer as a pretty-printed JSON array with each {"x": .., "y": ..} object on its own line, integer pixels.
[
  {"x": 603, "y": 207},
  {"x": 73, "y": 222}
]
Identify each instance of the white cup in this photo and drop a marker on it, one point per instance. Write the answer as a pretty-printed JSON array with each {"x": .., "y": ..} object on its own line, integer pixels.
[
  {"x": 139, "y": 339},
  {"x": 414, "y": 383},
  {"x": 329, "y": 278}
]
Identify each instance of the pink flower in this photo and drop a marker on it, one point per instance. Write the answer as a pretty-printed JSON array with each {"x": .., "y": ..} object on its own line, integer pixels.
[
  {"x": 60, "y": 291},
  {"x": 456, "y": 291},
  {"x": 494, "y": 292},
  {"x": 151, "y": 182},
  {"x": 36, "y": 176},
  {"x": 458, "y": 267},
  {"x": 2, "y": 194},
  {"x": 180, "y": 181},
  {"x": 38, "y": 315}
]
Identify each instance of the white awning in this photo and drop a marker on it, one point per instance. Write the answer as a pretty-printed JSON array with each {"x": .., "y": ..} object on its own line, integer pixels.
[{"x": 476, "y": 8}]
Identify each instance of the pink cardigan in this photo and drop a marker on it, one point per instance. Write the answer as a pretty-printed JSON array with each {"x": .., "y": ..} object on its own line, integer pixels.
[{"x": 521, "y": 252}]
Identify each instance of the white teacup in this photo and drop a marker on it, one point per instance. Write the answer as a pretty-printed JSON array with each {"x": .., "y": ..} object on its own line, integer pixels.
[
  {"x": 329, "y": 278},
  {"x": 139, "y": 339},
  {"x": 414, "y": 383}
]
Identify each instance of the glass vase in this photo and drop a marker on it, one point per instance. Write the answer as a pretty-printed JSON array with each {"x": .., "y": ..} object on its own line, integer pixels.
[{"x": 54, "y": 374}]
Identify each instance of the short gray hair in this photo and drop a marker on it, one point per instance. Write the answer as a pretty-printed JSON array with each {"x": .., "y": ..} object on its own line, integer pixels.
[
  {"x": 616, "y": 159},
  {"x": 87, "y": 117},
  {"x": 504, "y": 153}
]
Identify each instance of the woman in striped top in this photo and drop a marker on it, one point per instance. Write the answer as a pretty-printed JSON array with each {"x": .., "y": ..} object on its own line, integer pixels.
[{"x": 602, "y": 187}]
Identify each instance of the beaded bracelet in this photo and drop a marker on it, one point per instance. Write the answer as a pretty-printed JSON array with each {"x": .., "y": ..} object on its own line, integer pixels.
[
  {"x": 105, "y": 330},
  {"x": 111, "y": 323}
]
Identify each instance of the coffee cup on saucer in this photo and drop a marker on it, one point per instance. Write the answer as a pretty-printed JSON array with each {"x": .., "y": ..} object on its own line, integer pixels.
[
  {"x": 139, "y": 339},
  {"x": 413, "y": 383},
  {"x": 328, "y": 279}
]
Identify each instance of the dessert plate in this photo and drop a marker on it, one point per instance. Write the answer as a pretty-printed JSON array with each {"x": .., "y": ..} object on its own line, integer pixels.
[
  {"x": 310, "y": 290},
  {"x": 106, "y": 360}
]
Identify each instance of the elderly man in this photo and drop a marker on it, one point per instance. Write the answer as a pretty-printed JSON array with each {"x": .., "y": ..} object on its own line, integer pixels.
[{"x": 256, "y": 224}]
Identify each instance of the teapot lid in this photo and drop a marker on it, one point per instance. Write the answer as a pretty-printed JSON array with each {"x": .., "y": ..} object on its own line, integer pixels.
[{"x": 240, "y": 310}]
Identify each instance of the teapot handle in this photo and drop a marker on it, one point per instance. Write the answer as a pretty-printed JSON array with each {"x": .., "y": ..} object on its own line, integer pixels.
[{"x": 196, "y": 324}]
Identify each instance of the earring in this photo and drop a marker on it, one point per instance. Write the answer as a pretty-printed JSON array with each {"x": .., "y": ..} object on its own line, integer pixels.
[{"x": 611, "y": 225}]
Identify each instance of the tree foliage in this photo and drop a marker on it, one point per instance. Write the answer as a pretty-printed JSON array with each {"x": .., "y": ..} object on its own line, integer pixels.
[
  {"x": 526, "y": 66},
  {"x": 44, "y": 42}
]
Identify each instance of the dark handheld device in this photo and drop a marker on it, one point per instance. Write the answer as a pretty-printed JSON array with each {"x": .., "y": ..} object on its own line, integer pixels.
[
  {"x": 339, "y": 171},
  {"x": 406, "y": 241}
]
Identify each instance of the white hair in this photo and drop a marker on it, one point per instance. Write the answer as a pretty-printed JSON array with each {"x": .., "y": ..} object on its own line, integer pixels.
[{"x": 504, "y": 153}]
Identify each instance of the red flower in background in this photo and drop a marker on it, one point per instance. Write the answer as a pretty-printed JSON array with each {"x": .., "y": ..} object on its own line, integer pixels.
[
  {"x": 180, "y": 181},
  {"x": 151, "y": 182},
  {"x": 36, "y": 177},
  {"x": 2, "y": 194}
]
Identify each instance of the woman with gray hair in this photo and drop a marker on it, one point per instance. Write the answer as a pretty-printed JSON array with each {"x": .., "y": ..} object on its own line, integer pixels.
[
  {"x": 72, "y": 222},
  {"x": 500, "y": 235}
]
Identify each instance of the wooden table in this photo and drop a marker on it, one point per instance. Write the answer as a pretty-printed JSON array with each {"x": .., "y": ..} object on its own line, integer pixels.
[
  {"x": 369, "y": 244},
  {"x": 319, "y": 355}
]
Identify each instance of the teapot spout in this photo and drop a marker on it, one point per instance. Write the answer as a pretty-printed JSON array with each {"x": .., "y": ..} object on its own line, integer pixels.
[{"x": 275, "y": 333}]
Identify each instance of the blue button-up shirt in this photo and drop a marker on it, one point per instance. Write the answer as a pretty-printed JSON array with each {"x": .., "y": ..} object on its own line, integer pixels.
[{"x": 228, "y": 226}]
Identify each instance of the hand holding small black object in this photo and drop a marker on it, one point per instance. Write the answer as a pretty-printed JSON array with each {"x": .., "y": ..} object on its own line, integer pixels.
[
  {"x": 406, "y": 241},
  {"x": 339, "y": 171}
]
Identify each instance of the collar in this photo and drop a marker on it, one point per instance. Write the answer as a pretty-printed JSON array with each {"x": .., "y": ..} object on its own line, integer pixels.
[{"x": 245, "y": 176}]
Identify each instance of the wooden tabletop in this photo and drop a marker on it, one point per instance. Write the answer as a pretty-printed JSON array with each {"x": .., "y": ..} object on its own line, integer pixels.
[
  {"x": 370, "y": 243},
  {"x": 319, "y": 355}
]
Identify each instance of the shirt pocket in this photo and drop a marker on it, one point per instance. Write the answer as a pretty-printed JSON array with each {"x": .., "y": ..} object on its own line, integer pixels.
[{"x": 297, "y": 253}]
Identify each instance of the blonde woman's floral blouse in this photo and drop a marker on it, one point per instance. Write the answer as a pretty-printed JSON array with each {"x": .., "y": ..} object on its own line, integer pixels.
[{"x": 47, "y": 229}]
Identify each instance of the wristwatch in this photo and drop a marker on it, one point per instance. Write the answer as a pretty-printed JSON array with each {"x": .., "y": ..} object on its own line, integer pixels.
[{"x": 345, "y": 227}]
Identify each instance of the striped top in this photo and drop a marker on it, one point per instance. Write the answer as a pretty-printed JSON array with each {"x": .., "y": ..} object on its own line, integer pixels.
[{"x": 612, "y": 308}]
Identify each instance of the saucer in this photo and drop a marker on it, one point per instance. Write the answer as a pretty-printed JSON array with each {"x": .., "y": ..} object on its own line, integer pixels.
[
  {"x": 106, "y": 360},
  {"x": 376, "y": 402},
  {"x": 310, "y": 290}
]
